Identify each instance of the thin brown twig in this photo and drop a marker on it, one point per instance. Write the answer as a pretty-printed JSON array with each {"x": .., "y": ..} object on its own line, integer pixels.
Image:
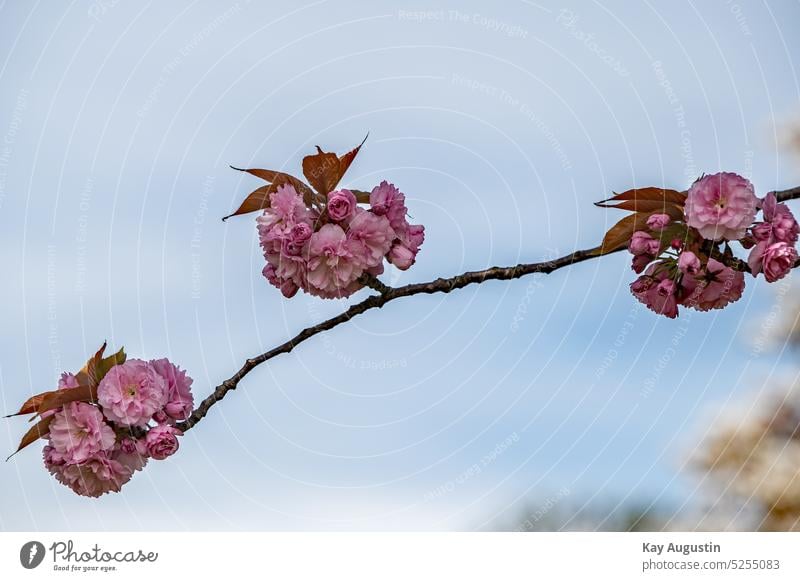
[{"x": 388, "y": 294}]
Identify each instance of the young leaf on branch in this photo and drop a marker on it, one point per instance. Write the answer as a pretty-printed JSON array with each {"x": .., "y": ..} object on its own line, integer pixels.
[
  {"x": 36, "y": 431},
  {"x": 323, "y": 170}
]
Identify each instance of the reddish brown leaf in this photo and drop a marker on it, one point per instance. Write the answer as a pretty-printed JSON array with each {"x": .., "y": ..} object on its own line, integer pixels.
[
  {"x": 88, "y": 379},
  {"x": 38, "y": 430},
  {"x": 322, "y": 171},
  {"x": 58, "y": 398},
  {"x": 36, "y": 403},
  {"x": 269, "y": 175},
  {"x": 644, "y": 195},
  {"x": 94, "y": 359},
  {"x": 674, "y": 212},
  {"x": 325, "y": 170},
  {"x": 347, "y": 158},
  {"x": 620, "y": 234},
  {"x": 97, "y": 366},
  {"x": 644, "y": 202},
  {"x": 259, "y": 199},
  {"x": 101, "y": 367},
  {"x": 256, "y": 200},
  {"x": 654, "y": 206},
  {"x": 31, "y": 405}
]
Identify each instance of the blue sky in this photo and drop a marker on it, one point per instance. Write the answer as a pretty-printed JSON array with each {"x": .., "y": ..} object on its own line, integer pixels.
[{"x": 502, "y": 124}]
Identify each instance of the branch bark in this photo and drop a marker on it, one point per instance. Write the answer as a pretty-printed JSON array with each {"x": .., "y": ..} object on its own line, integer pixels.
[{"x": 387, "y": 294}]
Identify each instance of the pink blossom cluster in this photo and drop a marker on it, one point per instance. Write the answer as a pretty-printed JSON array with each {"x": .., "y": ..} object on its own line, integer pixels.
[
  {"x": 324, "y": 251},
  {"x": 96, "y": 448},
  {"x": 690, "y": 263}
]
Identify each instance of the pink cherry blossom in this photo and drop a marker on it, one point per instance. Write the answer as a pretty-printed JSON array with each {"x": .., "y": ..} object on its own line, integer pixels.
[
  {"x": 404, "y": 251},
  {"x": 762, "y": 232},
  {"x": 54, "y": 462},
  {"x": 288, "y": 287},
  {"x": 302, "y": 251},
  {"x": 642, "y": 243},
  {"x": 284, "y": 242},
  {"x": 131, "y": 453},
  {"x": 67, "y": 381},
  {"x": 688, "y": 263},
  {"x": 413, "y": 236},
  {"x": 663, "y": 303},
  {"x": 130, "y": 445},
  {"x": 295, "y": 239},
  {"x": 784, "y": 225},
  {"x": 715, "y": 287},
  {"x": 271, "y": 237},
  {"x": 52, "y": 458},
  {"x": 656, "y": 291},
  {"x": 162, "y": 441},
  {"x": 401, "y": 256},
  {"x": 180, "y": 401},
  {"x": 769, "y": 205},
  {"x": 289, "y": 267},
  {"x": 341, "y": 205},
  {"x": 95, "y": 477},
  {"x": 161, "y": 417},
  {"x": 658, "y": 222},
  {"x": 641, "y": 262},
  {"x": 370, "y": 236},
  {"x": 286, "y": 205},
  {"x": 79, "y": 431},
  {"x": 332, "y": 268},
  {"x": 774, "y": 260},
  {"x": 87, "y": 448},
  {"x": 131, "y": 393},
  {"x": 386, "y": 200},
  {"x": 285, "y": 211},
  {"x": 756, "y": 259},
  {"x": 667, "y": 287},
  {"x": 721, "y": 206},
  {"x": 780, "y": 224}
]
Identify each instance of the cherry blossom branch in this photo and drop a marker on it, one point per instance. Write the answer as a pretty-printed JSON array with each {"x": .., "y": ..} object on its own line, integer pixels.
[{"x": 387, "y": 294}]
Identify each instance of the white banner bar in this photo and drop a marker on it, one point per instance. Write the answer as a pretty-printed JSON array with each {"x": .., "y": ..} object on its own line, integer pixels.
[{"x": 400, "y": 556}]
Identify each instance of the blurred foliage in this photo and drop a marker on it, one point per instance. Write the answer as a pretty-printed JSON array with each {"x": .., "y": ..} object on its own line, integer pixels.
[
  {"x": 601, "y": 516},
  {"x": 752, "y": 457}
]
